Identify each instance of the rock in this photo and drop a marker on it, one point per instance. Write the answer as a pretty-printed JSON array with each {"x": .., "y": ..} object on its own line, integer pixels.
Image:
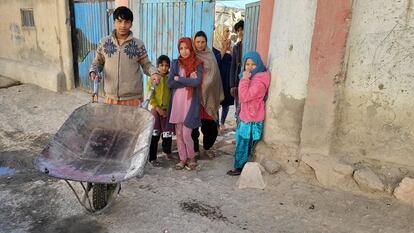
[
  {"x": 368, "y": 180},
  {"x": 330, "y": 172},
  {"x": 251, "y": 176},
  {"x": 403, "y": 170},
  {"x": 6, "y": 82},
  {"x": 39, "y": 183},
  {"x": 405, "y": 191},
  {"x": 270, "y": 166}
]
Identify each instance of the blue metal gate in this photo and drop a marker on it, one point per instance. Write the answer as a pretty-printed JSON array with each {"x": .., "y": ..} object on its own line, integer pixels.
[
  {"x": 92, "y": 22},
  {"x": 160, "y": 23},
  {"x": 251, "y": 25}
]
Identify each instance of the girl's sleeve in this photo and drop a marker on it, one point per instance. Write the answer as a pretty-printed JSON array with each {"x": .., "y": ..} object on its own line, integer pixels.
[
  {"x": 171, "y": 83},
  {"x": 190, "y": 81},
  {"x": 248, "y": 92}
]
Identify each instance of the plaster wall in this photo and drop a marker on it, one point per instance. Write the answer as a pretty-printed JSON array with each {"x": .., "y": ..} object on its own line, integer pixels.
[
  {"x": 377, "y": 108},
  {"x": 289, "y": 53},
  {"x": 47, "y": 46},
  {"x": 326, "y": 70}
]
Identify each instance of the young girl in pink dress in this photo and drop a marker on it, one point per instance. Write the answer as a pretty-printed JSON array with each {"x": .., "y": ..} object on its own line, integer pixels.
[{"x": 184, "y": 108}]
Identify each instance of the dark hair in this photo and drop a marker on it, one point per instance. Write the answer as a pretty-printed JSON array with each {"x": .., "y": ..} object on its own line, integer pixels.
[
  {"x": 124, "y": 13},
  {"x": 201, "y": 33},
  {"x": 163, "y": 58},
  {"x": 238, "y": 25}
]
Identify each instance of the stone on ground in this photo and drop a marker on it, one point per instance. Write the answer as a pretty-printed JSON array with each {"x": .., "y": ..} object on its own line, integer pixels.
[
  {"x": 368, "y": 180},
  {"x": 270, "y": 166},
  {"x": 6, "y": 82},
  {"x": 330, "y": 172},
  {"x": 405, "y": 191},
  {"x": 251, "y": 176}
]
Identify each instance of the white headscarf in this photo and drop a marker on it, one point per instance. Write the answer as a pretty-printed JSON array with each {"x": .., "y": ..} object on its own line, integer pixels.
[{"x": 219, "y": 37}]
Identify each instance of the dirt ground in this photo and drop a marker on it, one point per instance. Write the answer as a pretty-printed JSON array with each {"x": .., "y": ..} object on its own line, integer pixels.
[{"x": 166, "y": 200}]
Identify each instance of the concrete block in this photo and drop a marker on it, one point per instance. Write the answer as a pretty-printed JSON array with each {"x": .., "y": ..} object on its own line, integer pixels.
[
  {"x": 270, "y": 166},
  {"x": 330, "y": 172},
  {"x": 251, "y": 176},
  {"x": 405, "y": 191},
  {"x": 368, "y": 180},
  {"x": 48, "y": 77}
]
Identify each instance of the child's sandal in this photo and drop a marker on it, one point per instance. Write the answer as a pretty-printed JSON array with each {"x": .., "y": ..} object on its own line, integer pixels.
[
  {"x": 192, "y": 164},
  {"x": 210, "y": 154},
  {"x": 180, "y": 165}
]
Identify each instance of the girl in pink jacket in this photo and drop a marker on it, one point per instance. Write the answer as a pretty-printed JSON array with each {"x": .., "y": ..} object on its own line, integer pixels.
[{"x": 253, "y": 85}]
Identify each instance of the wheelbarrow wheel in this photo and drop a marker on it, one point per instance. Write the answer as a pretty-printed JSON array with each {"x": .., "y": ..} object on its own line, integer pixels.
[{"x": 101, "y": 194}]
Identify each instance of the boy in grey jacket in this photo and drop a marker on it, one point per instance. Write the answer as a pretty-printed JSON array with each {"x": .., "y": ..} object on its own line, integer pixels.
[{"x": 121, "y": 56}]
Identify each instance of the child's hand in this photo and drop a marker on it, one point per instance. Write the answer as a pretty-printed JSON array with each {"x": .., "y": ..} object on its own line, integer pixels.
[
  {"x": 176, "y": 78},
  {"x": 155, "y": 78},
  {"x": 93, "y": 76},
  {"x": 160, "y": 111},
  {"x": 233, "y": 91},
  {"x": 193, "y": 75},
  {"x": 247, "y": 74}
]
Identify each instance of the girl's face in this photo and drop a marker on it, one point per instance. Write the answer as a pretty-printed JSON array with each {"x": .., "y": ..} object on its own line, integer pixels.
[
  {"x": 184, "y": 50},
  {"x": 226, "y": 33},
  {"x": 200, "y": 43},
  {"x": 250, "y": 65}
]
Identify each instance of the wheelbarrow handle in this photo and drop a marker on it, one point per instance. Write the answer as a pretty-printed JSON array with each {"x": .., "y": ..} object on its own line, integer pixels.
[
  {"x": 145, "y": 104},
  {"x": 95, "y": 88}
]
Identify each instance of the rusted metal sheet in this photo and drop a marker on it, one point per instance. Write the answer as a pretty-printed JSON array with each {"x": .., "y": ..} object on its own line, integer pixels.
[
  {"x": 92, "y": 22},
  {"x": 99, "y": 143},
  {"x": 251, "y": 25}
]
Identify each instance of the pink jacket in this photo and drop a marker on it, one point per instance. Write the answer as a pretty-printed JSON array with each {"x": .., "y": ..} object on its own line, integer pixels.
[{"x": 251, "y": 94}]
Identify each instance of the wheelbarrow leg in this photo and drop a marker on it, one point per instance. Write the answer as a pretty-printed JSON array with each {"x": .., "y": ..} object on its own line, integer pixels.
[
  {"x": 85, "y": 195},
  {"x": 89, "y": 209}
]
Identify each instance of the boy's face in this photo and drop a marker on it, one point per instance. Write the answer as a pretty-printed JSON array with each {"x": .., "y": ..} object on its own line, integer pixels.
[
  {"x": 239, "y": 33},
  {"x": 122, "y": 26},
  {"x": 163, "y": 68}
]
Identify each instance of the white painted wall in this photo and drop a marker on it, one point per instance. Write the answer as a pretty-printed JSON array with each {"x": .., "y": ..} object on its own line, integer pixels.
[
  {"x": 290, "y": 43},
  {"x": 377, "y": 108},
  {"x": 289, "y": 52}
]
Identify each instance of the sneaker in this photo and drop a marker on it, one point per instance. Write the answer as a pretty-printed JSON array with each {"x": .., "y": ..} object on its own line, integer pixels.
[
  {"x": 155, "y": 163},
  {"x": 235, "y": 172}
]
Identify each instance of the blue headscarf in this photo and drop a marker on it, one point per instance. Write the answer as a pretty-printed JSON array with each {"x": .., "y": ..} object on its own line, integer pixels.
[{"x": 256, "y": 59}]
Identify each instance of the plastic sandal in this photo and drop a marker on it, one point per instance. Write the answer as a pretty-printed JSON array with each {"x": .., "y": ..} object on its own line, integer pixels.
[
  {"x": 192, "y": 164},
  {"x": 210, "y": 154},
  {"x": 180, "y": 165}
]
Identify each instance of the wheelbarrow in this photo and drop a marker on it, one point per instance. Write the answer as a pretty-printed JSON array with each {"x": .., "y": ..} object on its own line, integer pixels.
[{"x": 99, "y": 146}]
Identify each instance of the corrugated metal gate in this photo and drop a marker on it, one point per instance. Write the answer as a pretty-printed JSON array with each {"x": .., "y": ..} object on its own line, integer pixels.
[
  {"x": 160, "y": 23},
  {"x": 251, "y": 24},
  {"x": 92, "y": 21}
]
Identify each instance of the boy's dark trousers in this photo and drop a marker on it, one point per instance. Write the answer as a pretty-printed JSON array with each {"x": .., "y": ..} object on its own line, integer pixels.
[
  {"x": 210, "y": 132},
  {"x": 166, "y": 146}
]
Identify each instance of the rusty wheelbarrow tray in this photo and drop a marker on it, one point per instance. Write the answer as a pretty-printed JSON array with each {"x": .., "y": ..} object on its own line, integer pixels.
[{"x": 102, "y": 145}]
